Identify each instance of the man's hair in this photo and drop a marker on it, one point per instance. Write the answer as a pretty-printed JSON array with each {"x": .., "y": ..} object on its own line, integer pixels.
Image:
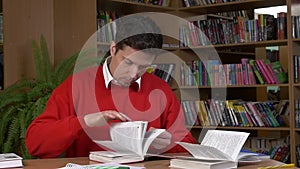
[{"x": 138, "y": 32}]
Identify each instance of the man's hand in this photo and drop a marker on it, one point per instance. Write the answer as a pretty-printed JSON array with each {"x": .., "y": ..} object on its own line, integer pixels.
[
  {"x": 101, "y": 118},
  {"x": 162, "y": 141}
]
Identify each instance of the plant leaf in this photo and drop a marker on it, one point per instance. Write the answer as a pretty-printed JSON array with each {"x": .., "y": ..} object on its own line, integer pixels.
[{"x": 47, "y": 72}]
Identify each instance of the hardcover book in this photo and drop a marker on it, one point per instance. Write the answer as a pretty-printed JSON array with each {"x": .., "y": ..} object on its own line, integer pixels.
[
  {"x": 129, "y": 142},
  {"x": 212, "y": 152},
  {"x": 202, "y": 164},
  {"x": 9, "y": 160},
  {"x": 279, "y": 72}
]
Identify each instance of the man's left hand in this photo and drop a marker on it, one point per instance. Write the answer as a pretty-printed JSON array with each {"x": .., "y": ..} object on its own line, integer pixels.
[{"x": 162, "y": 140}]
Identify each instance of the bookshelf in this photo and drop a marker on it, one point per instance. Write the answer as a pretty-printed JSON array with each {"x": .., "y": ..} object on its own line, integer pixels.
[
  {"x": 294, "y": 48},
  {"x": 68, "y": 24},
  {"x": 289, "y": 48}
]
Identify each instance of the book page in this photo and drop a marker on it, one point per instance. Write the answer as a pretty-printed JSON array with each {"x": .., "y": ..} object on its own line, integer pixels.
[
  {"x": 149, "y": 137},
  {"x": 129, "y": 135},
  {"x": 229, "y": 142},
  {"x": 204, "y": 152},
  {"x": 110, "y": 154},
  {"x": 114, "y": 146}
]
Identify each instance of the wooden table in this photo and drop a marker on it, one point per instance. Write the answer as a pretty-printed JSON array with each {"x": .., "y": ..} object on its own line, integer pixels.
[{"x": 155, "y": 164}]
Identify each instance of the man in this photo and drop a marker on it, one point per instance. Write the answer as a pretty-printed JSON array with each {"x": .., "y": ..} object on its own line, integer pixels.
[{"x": 82, "y": 108}]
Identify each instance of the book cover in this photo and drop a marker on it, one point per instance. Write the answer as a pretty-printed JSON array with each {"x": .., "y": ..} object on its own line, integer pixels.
[
  {"x": 265, "y": 71},
  {"x": 256, "y": 72},
  {"x": 279, "y": 72},
  {"x": 203, "y": 164}
]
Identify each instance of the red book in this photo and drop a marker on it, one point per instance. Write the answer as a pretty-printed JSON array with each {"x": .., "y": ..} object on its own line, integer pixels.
[
  {"x": 269, "y": 67},
  {"x": 268, "y": 73},
  {"x": 263, "y": 71}
]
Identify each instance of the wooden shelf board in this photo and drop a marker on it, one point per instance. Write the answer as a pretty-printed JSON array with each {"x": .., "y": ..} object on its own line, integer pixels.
[
  {"x": 230, "y": 6},
  {"x": 296, "y": 85},
  {"x": 243, "y": 128},
  {"x": 237, "y": 53},
  {"x": 231, "y": 86},
  {"x": 131, "y": 7},
  {"x": 246, "y": 44},
  {"x": 296, "y": 40}
]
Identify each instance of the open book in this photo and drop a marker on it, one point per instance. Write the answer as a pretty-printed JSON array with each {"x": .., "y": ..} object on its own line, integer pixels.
[
  {"x": 129, "y": 142},
  {"x": 216, "y": 147}
]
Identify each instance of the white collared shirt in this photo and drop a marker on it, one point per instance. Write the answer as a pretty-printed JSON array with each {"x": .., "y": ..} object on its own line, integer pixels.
[{"x": 108, "y": 77}]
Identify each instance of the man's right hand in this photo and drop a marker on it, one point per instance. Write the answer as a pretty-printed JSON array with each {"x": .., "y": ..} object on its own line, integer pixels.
[{"x": 101, "y": 118}]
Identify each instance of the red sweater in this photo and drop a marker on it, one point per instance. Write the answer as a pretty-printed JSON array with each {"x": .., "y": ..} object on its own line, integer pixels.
[{"x": 60, "y": 129}]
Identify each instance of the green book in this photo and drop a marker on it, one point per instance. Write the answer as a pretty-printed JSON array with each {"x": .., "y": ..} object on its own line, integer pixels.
[
  {"x": 256, "y": 72},
  {"x": 279, "y": 72}
]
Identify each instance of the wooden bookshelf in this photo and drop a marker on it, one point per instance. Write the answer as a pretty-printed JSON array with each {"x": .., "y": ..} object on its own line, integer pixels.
[
  {"x": 258, "y": 89},
  {"x": 294, "y": 46}
]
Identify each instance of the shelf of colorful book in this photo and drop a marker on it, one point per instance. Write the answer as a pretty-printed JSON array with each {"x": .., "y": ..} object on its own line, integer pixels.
[
  {"x": 239, "y": 45},
  {"x": 128, "y": 7},
  {"x": 231, "y": 6},
  {"x": 235, "y": 86},
  {"x": 241, "y": 128}
]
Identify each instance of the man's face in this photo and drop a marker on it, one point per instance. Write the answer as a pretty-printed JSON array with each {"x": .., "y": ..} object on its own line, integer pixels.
[{"x": 128, "y": 64}]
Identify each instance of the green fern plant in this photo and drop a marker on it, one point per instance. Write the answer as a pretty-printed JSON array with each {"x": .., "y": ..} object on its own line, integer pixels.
[{"x": 23, "y": 101}]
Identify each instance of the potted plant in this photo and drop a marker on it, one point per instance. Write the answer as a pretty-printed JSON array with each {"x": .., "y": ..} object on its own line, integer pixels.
[{"x": 23, "y": 101}]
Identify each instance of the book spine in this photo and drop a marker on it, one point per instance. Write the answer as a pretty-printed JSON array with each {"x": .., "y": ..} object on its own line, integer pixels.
[
  {"x": 200, "y": 114},
  {"x": 256, "y": 114},
  {"x": 262, "y": 72},
  {"x": 256, "y": 72},
  {"x": 265, "y": 71},
  {"x": 296, "y": 68},
  {"x": 254, "y": 121},
  {"x": 273, "y": 76},
  {"x": 249, "y": 120},
  {"x": 204, "y": 113},
  {"x": 245, "y": 71},
  {"x": 232, "y": 115},
  {"x": 262, "y": 114}
]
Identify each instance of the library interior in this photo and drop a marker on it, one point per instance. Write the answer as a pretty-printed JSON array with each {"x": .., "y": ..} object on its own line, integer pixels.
[{"x": 233, "y": 65}]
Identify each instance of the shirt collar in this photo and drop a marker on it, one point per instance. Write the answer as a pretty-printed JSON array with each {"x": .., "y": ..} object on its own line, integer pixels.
[{"x": 108, "y": 77}]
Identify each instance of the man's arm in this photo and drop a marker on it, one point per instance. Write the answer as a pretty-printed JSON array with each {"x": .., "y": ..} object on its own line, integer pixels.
[
  {"x": 62, "y": 122},
  {"x": 173, "y": 121},
  {"x": 51, "y": 133}
]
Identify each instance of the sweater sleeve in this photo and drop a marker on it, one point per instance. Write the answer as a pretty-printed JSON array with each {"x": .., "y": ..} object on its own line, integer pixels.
[
  {"x": 52, "y": 132},
  {"x": 174, "y": 123}
]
